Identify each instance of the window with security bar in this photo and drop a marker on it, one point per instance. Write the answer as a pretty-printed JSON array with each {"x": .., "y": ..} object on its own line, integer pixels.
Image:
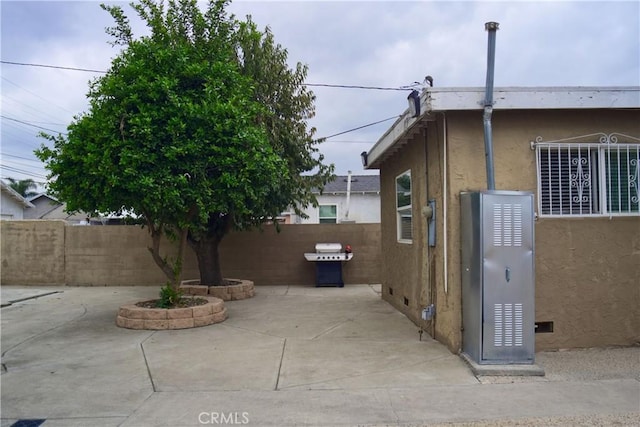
[
  {"x": 403, "y": 207},
  {"x": 598, "y": 176}
]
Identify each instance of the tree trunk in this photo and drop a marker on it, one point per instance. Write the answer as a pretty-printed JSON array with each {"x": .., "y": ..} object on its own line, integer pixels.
[
  {"x": 206, "y": 247},
  {"x": 156, "y": 236},
  {"x": 208, "y": 256},
  {"x": 173, "y": 271}
]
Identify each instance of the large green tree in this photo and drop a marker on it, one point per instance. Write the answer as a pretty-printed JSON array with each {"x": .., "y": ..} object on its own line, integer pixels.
[
  {"x": 198, "y": 128},
  {"x": 287, "y": 105},
  {"x": 172, "y": 133}
]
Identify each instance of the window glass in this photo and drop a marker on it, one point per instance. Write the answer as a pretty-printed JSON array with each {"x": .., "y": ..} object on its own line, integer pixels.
[
  {"x": 588, "y": 179},
  {"x": 328, "y": 214},
  {"x": 403, "y": 207}
]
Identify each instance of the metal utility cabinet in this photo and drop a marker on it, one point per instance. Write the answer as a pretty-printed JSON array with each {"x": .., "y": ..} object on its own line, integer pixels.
[{"x": 498, "y": 294}]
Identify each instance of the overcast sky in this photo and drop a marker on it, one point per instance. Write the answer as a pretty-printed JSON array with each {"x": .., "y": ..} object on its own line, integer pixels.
[{"x": 381, "y": 43}]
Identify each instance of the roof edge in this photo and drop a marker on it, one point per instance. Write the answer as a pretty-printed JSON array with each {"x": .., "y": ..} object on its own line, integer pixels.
[{"x": 443, "y": 99}]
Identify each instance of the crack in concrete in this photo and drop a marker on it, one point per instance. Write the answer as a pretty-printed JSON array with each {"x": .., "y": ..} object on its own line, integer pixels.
[
  {"x": 84, "y": 313},
  {"x": 146, "y": 362},
  {"x": 284, "y": 345},
  {"x": 11, "y": 302},
  {"x": 384, "y": 371}
]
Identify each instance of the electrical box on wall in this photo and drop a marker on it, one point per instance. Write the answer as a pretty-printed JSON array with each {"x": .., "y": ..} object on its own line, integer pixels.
[{"x": 498, "y": 294}]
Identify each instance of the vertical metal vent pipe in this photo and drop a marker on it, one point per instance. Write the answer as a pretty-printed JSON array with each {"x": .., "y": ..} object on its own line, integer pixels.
[{"x": 491, "y": 27}]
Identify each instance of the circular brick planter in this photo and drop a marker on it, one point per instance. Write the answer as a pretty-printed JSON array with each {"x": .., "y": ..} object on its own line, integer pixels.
[
  {"x": 241, "y": 289},
  {"x": 133, "y": 317}
]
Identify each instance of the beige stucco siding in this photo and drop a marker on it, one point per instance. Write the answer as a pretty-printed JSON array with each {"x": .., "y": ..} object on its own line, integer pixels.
[
  {"x": 587, "y": 270},
  {"x": 404, "y": 268},
  {"x": 588, "y": 281}
]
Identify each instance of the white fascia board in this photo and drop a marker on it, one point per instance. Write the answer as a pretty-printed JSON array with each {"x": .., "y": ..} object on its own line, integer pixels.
[
  {"x": 533, "y": 98},
  {"x": 393, "y": 134},
  {"x": 16, "y": 196},
  {"x": 434, "y": 100}
]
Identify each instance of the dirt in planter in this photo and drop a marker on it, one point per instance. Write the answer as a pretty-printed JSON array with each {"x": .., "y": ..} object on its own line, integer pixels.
[
  {"x": 227, "y": 282},
  {"x": 183, "y": 303}
]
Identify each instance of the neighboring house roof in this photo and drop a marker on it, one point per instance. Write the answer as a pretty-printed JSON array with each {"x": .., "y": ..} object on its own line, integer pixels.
[
  {"x": 433, "y": 100},
  {"x": 359, "y": 184},
  {"x": 44, "y": 205},
  {"x": 13, "y": 194},
  {"x": 42, "y": 196}
]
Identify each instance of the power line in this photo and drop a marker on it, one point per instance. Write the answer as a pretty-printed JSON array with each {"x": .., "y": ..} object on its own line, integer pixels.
[
  {"x": 359, "y": 127},
  {"x": 30, "y": 124},
  {"x": 22, "y": 171},
  {"x": 403, "y": 88},
  {"x": 40, "y": 112},
  {"x": 19, "y": 157},
  {"x": 53, "y": 66},
  {"x": 36, "y": 95},
  {"x": 355, "y": 86}
]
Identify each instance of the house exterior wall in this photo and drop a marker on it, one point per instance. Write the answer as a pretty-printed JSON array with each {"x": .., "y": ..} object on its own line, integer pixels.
[
  {"x": 42, "y": 206},
  {"x": 587, "y": 269},
  {"x": 11, "y": 209},
  {"x": 363, "y": 208},
  {"x": 54, "y": 253},
  {"x": 404, "y": 273}
]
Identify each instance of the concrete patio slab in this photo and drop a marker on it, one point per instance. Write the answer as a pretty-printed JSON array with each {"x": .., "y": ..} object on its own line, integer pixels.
[
  {"x": 344, "y": 364},
  {"x": 289, "y": 356},
  {"x": 213, "y": 358}
]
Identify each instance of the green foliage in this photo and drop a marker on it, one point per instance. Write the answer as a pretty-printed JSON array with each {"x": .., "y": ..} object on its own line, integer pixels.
[
  {"x": 198, "y": 127},
  {"x": 23, "y": 186},
  {"x": 288, "y": 105},
  {"x": 169, "y": 296}
]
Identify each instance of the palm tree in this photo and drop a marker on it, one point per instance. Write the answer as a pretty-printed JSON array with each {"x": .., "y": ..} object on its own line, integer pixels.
[{"x": 23, "y": 186}]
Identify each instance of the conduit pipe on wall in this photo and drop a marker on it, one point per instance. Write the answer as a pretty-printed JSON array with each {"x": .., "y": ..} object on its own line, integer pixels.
[
  {"x": 445, "y": 234},
  {"x": 491, "y": 27}
]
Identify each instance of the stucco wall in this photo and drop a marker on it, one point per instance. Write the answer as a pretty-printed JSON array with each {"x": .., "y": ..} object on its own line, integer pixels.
[
  {"x": 587, "y": 270},
  {"x": 404, "y": 265},
  {"x": 52, "y": 253},
  {"x": 588, "y": 281},
  {"x": 585, "y": 267},
  {"x": 32, "y": 252}
]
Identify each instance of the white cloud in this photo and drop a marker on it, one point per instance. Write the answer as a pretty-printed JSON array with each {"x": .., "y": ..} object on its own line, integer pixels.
[{"x": 377, "y": 43}]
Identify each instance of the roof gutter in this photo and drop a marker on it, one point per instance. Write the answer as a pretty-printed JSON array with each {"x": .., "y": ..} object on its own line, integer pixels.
[{"x": 491, "y": 27}]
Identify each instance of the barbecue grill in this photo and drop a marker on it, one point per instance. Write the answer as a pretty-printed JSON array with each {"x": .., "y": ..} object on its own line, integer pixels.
[{"x": 329, "y": 258}]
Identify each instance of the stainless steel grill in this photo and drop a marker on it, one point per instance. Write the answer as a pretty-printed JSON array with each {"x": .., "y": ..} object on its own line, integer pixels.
[
  {"x": 329, "y": 258},
  {"x": 329, "y": 252}
]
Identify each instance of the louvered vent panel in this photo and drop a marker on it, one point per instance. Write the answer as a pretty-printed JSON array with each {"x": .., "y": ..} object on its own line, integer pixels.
[
  {"x": 508, "y": 325},
  {"x": 517, "y": 225},
  {"x": 497, "y": 333},
  {"x": 497, "y": 224},
  {"x": 507, "y": 225},
  {"x": 518, "y": 325}
]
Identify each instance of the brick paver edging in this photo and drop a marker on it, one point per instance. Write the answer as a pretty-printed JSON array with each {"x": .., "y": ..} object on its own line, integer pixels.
[
  {"x": 242, "y": 290},
  {"x": 133, "y": 317}
]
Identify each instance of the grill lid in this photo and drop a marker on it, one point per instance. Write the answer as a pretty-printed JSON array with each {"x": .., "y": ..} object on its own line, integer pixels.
[{"x": 328, "y": 247}]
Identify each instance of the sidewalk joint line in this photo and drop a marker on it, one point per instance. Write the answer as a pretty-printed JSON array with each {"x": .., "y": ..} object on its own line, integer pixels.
[
  {"x": 11, "y": 302},
  {"x": 284, "y": 345},
  {"x": 146, "y": 364}
]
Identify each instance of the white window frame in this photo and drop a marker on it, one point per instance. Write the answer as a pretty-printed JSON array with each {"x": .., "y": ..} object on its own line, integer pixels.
[
  {"x": 320, "y": 218},
  {"x": 405, "y": 210},
  {"x": 582, "y": 166}
]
